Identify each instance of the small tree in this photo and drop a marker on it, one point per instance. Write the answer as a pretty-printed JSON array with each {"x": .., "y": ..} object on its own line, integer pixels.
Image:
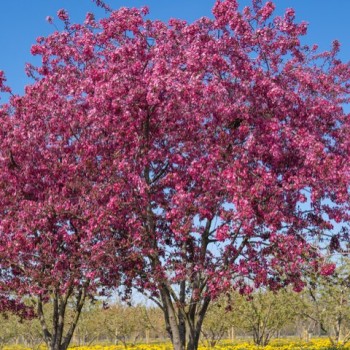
[
  {"x": 9, "y": 329},
  {"x": 124, "y": 323},
  {"x": 152, "y": 322},
  {"x": 31, "y": 334},
  {"x": 92, "y": 323},
  {"x": 265, "y": 313},
  {"x": 329, "y": 303},
  {"x": 216, "y": 322}
]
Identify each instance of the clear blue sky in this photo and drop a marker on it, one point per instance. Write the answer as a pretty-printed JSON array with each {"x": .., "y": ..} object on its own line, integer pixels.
[{"x": 21, "y": 21}]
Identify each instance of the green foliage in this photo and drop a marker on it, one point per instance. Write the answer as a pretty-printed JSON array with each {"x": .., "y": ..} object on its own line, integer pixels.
[
  {"x": 327, "y": 302},
  {"x": 264, "y": 313},
  {"x": 8, "y": 330},
  {"x": 216, "y": 323}
]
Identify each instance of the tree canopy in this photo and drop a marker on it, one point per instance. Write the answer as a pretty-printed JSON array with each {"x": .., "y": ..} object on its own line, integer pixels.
[{"x": 183, "y": 158}]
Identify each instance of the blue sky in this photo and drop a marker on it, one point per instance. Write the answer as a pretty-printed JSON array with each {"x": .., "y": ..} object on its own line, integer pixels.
[{"x": 21, "y": 21}]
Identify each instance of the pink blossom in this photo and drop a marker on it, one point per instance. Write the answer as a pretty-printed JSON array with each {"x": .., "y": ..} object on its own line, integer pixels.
[
  {"x": 62, "y": 14},
  {"x": 49, "y": 19},
  {"x": 168, "y": 158},
  {"x": 327, "y": 269}
]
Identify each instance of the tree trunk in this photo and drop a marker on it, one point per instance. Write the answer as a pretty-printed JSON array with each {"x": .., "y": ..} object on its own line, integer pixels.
[
  {"x": 193, "y": 340},
  {"x": 55, "y": 339},
  {"x": 183, "y": 326},
  {"x": 173, "y": 326},
  {"x": 231, "y": 334}
]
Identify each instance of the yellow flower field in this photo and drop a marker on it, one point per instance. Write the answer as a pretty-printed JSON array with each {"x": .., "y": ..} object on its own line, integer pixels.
[{"x": 278, "y": 344}]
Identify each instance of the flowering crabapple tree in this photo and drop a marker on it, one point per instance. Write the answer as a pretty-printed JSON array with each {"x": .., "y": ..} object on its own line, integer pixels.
[
  {"x": 209, "y": 155},
  {"x": 52, "y": 246}
]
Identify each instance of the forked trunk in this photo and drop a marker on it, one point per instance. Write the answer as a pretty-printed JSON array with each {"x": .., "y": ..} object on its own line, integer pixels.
[
  {"x": 183, "y": 326},
  {"x": 56, "y": 338}
]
